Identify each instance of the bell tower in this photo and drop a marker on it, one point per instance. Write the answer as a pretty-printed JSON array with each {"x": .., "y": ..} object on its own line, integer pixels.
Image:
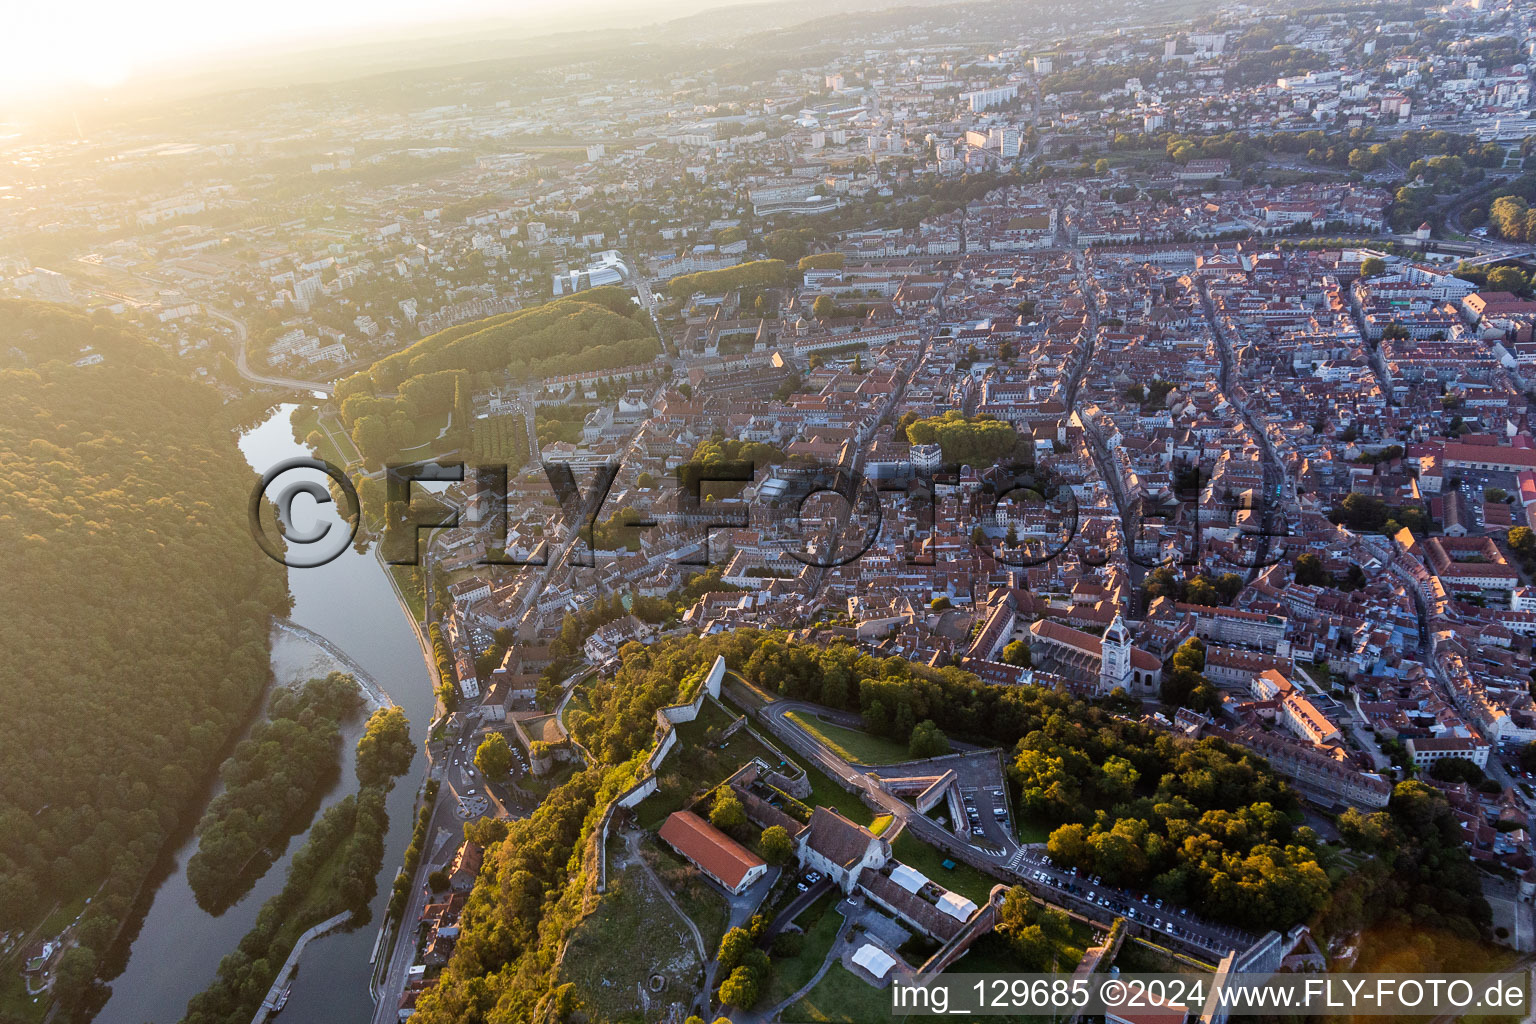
[{"x": 1115, "y": 665}]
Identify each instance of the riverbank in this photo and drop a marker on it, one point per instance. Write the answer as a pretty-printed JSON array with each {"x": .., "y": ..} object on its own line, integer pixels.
[{"x": 172, "y": 948}]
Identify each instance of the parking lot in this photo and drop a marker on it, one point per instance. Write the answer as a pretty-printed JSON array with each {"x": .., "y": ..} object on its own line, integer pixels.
[
  {"x": 459, "y": 769},
  {"x": 984, "y": 796},
  {"x": 1153, "y": 915}
]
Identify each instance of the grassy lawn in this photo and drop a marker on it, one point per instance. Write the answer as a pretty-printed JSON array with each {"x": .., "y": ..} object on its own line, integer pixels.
[
  {"x": 758, "y": 698},
  {"x": 630, "y": 936},
  {"x": 821, "y": 922},
  {"x": 699, "y": 900},
  {"x": 541, "y": 787},
  {"x": 841, "y": 997},
  {"x": 1136, "y": 955},
  {"x": 962, "y": 878},
  {"x": 825, "y": 792},
  {"x": 1031, "y": 830},
  {"x": 15, "y": 1003},
  {"x": 696, "y": 763},
  {"x": 992, "y": 954},
  {"x": 408, "y": 579},
  {"x": 852, "y": 745},
  {"x": 318, "y": 904},
  {"x": 307, "y": 420},
  {"x": 423, "y": 441},
  {"x": 580, "y": 701}
]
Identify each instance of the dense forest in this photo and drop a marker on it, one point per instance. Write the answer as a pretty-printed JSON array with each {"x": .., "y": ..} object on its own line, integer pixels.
[
  {"x": 272, "y": 775},
  {"x": 136, "y": 623},
  {"x": 336, "y": 871},
  {"x": 756, "y": 274},
  {"x": 403, "y": 399},
  {"x": 1204, "y": 823}
]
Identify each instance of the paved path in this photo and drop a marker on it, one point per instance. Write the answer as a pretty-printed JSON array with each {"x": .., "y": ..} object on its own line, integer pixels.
[
  {"x": 701, "y": 999},
  {"x": 833, "y": 956},
  {"x": 292, "y": 964}
]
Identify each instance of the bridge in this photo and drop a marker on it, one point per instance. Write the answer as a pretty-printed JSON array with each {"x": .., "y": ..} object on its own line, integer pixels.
[
  {"x": 371, "y": 688},
  {"x": 1515, "y": 254}
]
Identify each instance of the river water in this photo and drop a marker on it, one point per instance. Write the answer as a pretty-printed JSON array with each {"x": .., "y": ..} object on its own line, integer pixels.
[{"x": 178, "y": 947}]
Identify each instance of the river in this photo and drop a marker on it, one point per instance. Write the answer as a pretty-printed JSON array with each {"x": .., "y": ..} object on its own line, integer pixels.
[{"x": 178, "y": 947}]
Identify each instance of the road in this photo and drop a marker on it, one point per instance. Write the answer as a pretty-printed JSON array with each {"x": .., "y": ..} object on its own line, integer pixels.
[
  {"x": 241, "y": 363},
  {"x": 403, "y": 955},
  {"x": 1103, "y": 458},
  {"x": 1168, "y": 922},
  {"x": 1276, "y": 487},
  {"x": 453, "y": 767}
]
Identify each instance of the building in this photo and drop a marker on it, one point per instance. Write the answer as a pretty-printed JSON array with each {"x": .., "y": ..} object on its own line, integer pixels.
[
  {"x": 1426, "y": 750},
  {"x": 607, "y": 268},
  {"x": 840, "y": 849},
  {"x": 927, "y": 458},
  {"x": 1303, "y": 718},
  {"x": 1258, "y": 630},
  {"x": 1097, "y": 664},
  {"x": 986, "y": 99},
  {"x": 713, "y": 852},
  {"x": 1320, "y": 773},
  {"x": 465, "y": 867},
  {"x": 1158, "y": 1011}
]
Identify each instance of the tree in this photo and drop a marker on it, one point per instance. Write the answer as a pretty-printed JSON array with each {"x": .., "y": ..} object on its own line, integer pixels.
[
  {"x": 1372, "y": 265},
  {"x": 437, "y": 881},
  {"x": 75, "y": 975},
  {"x": 1507, "y": 279},
  {"x": 776, "y": 844},
  {"x": 940, "y": 603},
  {"x": 927, "y": 740},
  {"x": 494, "y": 756},
  {"x": 741, "y": 989},
  {"x": 1528, "y": 757},
  {"x": 734, "y": 945},
  {"x": 1456, "y": 769},
  {"x": 1068, "y": 844},
  {"x": 1017, "y": 653},
  {"x": 1310, "y": 572},
  {"x": 385, "y": 751},
  {"x": 1038, "y": 934},
  {"x": 1101, "y": 167},
  {"x": 1522, "y": 541},
  {"x": 823, "y": 307},
  {"x": 727, "y": 814}
]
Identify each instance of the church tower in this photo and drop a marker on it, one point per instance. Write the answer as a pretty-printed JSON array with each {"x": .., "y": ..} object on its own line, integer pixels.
[{"x": 1115, "y": 665}]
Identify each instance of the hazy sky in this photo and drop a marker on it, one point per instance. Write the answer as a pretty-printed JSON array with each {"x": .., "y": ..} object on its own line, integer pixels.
[{"x": 52, "y": 45}]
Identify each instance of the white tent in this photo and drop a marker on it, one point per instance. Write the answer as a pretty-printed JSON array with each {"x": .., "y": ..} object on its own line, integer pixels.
[
  {"x": 956, "y": 906},
  {"x": 874, "y": 959},
  {"x": 909, "y": 878}
]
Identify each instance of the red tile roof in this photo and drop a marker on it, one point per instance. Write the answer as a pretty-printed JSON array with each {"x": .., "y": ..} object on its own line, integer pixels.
[{"x": 712, "y": 850}]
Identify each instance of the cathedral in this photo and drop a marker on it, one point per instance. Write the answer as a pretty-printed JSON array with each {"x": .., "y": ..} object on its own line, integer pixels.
[{"x": 1102, "y": 664}]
